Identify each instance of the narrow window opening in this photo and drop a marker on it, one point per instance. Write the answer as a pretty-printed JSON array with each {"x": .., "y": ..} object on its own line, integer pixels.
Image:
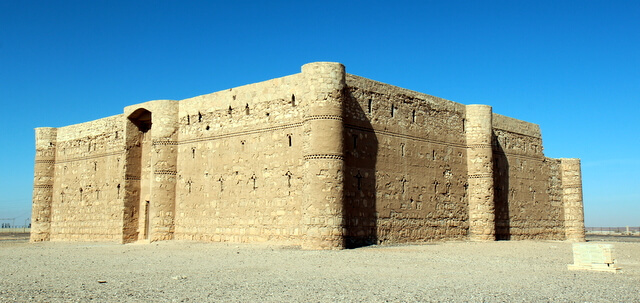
[
  {"x": 89, "y": 147},
  {"x": 370, "y": 106},
  {"x": 199, "y": 117},
  {"x": 246, "y": 109},
  {"x": 359, "y": 180},
  {"x": 293, "y": 100},
  {"x": 97, "y": 194},
  {"x": 355, "y": 141},
  {"x": 402, "y": 149},
  {"x": 95, "y": 166},
  {"x": 433, "y": 154},
  {"x": 254, "y": 178},
  {"x": 230, "y": 110},
  {"x": 288, "y": 175},
  {"x": 188, "y": 119},
  {"x": 413, "y": 116},
  {"x": 464, "y": 126},
  {"x": 116, "y": 135},
  {"x": 118, "y": 187},
  {"x": 81, "y": 194},
  {"x": 221, "y": 180},
  {"x": 393, "y": 110},
  {"x": 289, "y": 137},
  {"x": 193, "y": 152}
]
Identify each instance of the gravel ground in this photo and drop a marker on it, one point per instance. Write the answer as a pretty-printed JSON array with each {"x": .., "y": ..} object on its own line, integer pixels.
[{"x": 504, "y": 271}]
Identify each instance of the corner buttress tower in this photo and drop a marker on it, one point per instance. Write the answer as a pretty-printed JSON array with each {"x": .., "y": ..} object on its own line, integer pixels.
[
  {"x": 323, "y": 205},
  {"x": 571, "y": 177},
  {"x": 479, "y": 135},
  {"x": 44, "y": 174}
]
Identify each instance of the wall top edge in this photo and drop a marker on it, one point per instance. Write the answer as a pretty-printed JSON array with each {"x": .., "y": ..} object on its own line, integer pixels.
[
  {"x": 352, "y": 79},
  {"x": 90, "y": 128},
  {"x": 246, "y": 86},
  {"x": 62, "y": 128},
  {"x": 323, "y": 62},
  {"x": 516, "y": 126}
]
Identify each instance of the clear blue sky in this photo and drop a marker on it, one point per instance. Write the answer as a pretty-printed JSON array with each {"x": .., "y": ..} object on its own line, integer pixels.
[{"x": 571, "y": 66}]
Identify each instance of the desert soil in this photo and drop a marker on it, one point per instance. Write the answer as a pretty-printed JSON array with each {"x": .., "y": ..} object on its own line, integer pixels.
[{"x": 504, "y": 271}]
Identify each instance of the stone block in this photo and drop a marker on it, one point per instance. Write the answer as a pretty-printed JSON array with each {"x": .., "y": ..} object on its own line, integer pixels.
[{"x": 592, "y": 256}]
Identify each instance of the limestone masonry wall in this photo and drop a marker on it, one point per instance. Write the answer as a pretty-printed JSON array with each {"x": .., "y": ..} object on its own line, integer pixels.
[
  {"x": 240, "y": 164},
  {"x": 527, "y": 184},
  {"x": 321, "y": 159},
  {"x": 406, "y": 165},
  {"x": 86, "y": 202}
]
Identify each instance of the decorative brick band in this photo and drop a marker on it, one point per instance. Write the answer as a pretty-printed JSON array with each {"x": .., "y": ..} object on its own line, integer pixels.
[
  {"x": 132, "y": 178},
  {"x": 47, "y": 186},
  {"x": 165, "y": 143},
  {"x": 165, "y": 172},
  {"x": 323, "y": 117},
  {"x": 403, "y": 136},
  {"x": 115, "y": 153},
  {"x": 324, "y": 156},
  {"x": 572, "y": 186},
  {"x": 242, "y": 133},
  {"x": 517, "y": 133},
  {"x": 480, "y": 176},
  {"x": 479, "y": 146},
  {"x": 46, "y": 161},
  {"x": 538, "y": 157}
]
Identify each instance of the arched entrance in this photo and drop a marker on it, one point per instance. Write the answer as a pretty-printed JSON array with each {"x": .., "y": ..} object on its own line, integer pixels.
[{"x": 137, "y": 176}]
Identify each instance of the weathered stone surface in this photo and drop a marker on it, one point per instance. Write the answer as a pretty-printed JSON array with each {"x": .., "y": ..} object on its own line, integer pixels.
[
  {"x": 321, "y": 159},
  {"x": 593, "y": 256}
]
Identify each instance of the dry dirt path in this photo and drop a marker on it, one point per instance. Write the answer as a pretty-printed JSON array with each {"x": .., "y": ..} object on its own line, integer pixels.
[{"x": 517, "y": 271}]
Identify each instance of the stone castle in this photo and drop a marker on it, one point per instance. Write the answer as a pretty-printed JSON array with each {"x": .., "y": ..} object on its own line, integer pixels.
[{"x": 322, "y": 159}]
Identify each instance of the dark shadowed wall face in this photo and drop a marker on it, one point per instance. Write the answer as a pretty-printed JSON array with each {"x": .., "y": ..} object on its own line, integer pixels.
[
  {"x": 406, "y": 165},
  {"x": 527, "y": 184}
]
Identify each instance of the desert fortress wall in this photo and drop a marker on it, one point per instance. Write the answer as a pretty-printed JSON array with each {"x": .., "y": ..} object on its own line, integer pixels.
[{"x": 321, "y": 159}]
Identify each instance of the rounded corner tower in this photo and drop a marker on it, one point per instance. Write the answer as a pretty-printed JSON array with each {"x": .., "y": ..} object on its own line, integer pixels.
[
  {"x": 479, "y": 136},
  {"x": 323, "y": 204}
]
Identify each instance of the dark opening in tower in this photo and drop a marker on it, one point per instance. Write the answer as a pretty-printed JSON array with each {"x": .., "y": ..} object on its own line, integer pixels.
[{"x": 142, "y": 119}]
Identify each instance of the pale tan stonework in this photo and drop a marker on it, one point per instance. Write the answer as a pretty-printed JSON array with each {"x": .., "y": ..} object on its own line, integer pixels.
[
  {"x": 593, "y": 256},
  {"x": 321, "y": 159}
]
